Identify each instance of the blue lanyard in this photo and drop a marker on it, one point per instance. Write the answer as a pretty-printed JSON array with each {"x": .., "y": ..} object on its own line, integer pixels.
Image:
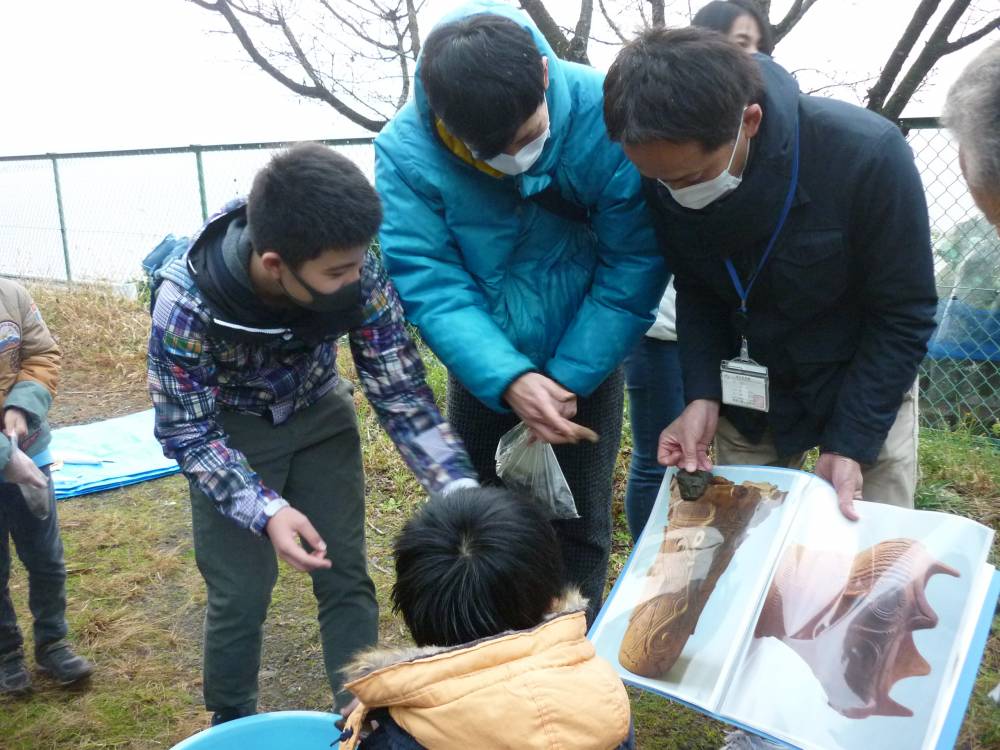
[{"x": 745, "y": 293}]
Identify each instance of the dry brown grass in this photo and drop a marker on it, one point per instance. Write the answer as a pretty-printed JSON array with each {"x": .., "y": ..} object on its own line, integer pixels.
[{"x": 103, "y": 340}]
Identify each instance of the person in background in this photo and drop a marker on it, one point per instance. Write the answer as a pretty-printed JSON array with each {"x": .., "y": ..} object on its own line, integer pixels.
[
  {"x": 972, "y": 113},
  {"x": 29, "y": 370},
  {"x": 653, "y": 377},
  {"x": 502, "y": 656},
  {"x": 740, "y": 20},
  {"x": 517, "y": 236}
]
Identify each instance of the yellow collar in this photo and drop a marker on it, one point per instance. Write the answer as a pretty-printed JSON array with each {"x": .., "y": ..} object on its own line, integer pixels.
[{"x": 457, "y": 147}]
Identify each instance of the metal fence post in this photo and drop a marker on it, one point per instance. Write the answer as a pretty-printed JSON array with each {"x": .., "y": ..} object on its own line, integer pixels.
[
  {"x": 62, "y": 218},
  {"x": 201, "y": 182}
]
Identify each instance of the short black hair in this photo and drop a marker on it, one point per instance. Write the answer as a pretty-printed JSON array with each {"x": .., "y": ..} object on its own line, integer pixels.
[
  {"x": 483, "y": 78},
  {"x": 473, "y": 564},
  {"x": 720, "y": 15},
  {"x": 679, "y": 85},
  {"x": 310, "y": 199}
]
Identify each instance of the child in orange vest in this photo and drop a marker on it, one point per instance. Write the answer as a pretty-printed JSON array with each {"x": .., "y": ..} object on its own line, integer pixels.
[{"x": 502, "y": 657}]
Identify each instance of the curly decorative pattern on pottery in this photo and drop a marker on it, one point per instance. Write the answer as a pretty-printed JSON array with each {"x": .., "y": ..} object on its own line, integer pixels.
[
  {"x": 858, "y": 640},
  {"x": 698, "y": 544}
]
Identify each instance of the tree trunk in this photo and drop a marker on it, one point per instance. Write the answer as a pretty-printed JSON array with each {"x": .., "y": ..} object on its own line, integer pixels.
[
  {"x": 921, "y": 17},
  {"x": 658, "y": 12}
]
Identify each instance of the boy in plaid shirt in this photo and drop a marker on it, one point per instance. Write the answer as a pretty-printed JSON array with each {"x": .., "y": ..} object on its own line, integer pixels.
[{"x": 242, "y": 373}]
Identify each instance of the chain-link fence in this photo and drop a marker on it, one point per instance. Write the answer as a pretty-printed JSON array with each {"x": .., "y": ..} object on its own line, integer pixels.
[
  {"x": 960, "y": 378},
  {"x": 93, "y": 217}
]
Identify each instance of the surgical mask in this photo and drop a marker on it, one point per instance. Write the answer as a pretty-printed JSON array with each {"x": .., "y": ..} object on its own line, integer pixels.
[
  {"x": 348, "y": 297},
  {"x": 705, "y": 193},
  {"x": 521, "y": 161}
]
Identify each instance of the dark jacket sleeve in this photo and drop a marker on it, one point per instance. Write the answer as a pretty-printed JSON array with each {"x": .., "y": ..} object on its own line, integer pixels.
[
  {"x": 890, "y": 243},
  {"x": 703, "y": 320}
]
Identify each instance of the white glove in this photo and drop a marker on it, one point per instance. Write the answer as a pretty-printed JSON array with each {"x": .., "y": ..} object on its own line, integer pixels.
[
  {"x": 31, "y": 480},
  {"x": 21, "y": 469}
]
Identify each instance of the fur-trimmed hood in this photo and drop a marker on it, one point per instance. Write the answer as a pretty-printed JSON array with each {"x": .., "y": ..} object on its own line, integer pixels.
[
  {"x": 366, "y": 662},
  {"x": 540, "y": 688}
]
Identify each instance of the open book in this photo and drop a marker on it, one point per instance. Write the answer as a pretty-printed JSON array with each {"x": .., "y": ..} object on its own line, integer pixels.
[{"x": 761, "y": 605}]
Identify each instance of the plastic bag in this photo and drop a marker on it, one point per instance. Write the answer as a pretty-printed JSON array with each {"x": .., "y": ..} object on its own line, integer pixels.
[
  {"x": 530, "y": 468},
  {"x": 31, "y": 480}
]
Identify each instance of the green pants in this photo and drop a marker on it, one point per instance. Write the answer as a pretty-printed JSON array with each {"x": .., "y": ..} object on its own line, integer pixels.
[{"x": 314, "y": 462}]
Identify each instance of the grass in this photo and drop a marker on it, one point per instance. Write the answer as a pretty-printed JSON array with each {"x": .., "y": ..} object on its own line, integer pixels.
[
  {"x": 103, "y": 338},
  {"x": 136, "y": 599}
]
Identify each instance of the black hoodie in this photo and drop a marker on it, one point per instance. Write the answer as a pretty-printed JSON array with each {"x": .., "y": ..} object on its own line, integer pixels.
[{"x": 218, "y": 262}]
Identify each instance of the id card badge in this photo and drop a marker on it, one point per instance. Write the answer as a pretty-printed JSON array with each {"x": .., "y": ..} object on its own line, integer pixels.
[{"x": 744, "y": 382}]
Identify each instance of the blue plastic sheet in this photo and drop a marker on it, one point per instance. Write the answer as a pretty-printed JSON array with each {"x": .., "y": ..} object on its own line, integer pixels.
[
  {"x": 103, "y": 455},
  {"x": 965, "y": 332}
]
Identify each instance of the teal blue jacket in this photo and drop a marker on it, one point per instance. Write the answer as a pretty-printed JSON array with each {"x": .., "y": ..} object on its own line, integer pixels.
[{"x": 498, "y": 285}]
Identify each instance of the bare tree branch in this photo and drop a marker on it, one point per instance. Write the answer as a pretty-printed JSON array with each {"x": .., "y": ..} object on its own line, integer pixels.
[
  {"x": 921, "y": 17},
  {"x": 642, "y": 14},
  {"x": 936, "y": 47},
  {"x": 581, "y": 35},
  {"x": 358, "y": 56},
  {"x": 614, "y": 27},
  {"x": 547, "y": 25},
  {"x": 793, "y": 16},
  {"x": 258, "y": 13},
  {"x": 411, "y": 15},
  {"x": 658, "y": 12},
  {"x": 975, "y": 36},
  {"x": 838, "y": 84},
  {"x": 379, "y": 32},
  {"x": 357, "y": 31}
]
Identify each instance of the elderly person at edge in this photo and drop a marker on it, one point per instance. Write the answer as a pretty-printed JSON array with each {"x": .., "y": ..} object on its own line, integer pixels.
[{"x": 973, "y": 114}]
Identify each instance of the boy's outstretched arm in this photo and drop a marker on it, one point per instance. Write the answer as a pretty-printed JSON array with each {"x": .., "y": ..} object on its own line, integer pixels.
[
  {"x": 394, "y": 380},
  {"x": 181, "y": 378}
]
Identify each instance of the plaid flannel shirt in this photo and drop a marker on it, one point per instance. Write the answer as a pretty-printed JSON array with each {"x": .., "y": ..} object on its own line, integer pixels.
[{"x": 192, "y": 374}]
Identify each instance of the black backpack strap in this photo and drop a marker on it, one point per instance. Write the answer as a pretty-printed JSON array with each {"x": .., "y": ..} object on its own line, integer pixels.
[{"x": 556, "y": 203}]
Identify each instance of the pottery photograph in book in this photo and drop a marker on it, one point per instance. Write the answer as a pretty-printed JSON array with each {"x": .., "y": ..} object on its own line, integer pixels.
[
  {"x": 856, "y": 638},
  {"x": 699, "y": 541}
]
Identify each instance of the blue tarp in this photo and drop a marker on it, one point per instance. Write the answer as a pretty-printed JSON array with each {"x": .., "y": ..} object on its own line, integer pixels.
[
  {"x": 108, "y": 454},
  {"x": 965, "y": 332}
]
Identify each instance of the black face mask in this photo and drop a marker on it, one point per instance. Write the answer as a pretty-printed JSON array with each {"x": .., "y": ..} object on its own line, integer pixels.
[{"x": 347, "y": 298}]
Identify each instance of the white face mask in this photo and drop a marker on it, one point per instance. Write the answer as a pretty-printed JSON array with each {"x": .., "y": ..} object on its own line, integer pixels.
[
  {"x": 521, "y": 161},
  {"x": 702, "y": 194}
]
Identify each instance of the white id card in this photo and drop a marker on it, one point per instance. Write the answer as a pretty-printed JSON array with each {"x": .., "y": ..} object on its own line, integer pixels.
[{"x": 744, "y": 383}]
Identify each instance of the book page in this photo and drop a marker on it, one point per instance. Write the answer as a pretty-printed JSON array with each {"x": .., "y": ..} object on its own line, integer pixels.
[
  {"x": 857, "y": 642},
  {"x": 681, "y": 609}
]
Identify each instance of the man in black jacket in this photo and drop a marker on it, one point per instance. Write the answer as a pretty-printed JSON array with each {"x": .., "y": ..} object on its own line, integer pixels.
[{"x": 797, "y": 231}]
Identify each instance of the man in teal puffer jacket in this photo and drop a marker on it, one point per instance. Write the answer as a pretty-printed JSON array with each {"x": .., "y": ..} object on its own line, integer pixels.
[{"x": 516, "y": 236}]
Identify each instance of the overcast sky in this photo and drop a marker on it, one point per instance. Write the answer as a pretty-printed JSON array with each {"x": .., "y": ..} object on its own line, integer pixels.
[{"x": 115, "y": 74}]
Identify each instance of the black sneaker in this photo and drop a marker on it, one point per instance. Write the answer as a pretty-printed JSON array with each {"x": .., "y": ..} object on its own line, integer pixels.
[
  {"x": 229, "y": 714},
  {"x": 14, "y": 677},
  {"x": 59, "y": 662}
]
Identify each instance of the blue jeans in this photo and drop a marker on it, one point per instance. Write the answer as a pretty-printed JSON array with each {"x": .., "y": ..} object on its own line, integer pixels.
[
  {"x": 656, "y": 398},
  {"x": 40, "y": 549}
]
